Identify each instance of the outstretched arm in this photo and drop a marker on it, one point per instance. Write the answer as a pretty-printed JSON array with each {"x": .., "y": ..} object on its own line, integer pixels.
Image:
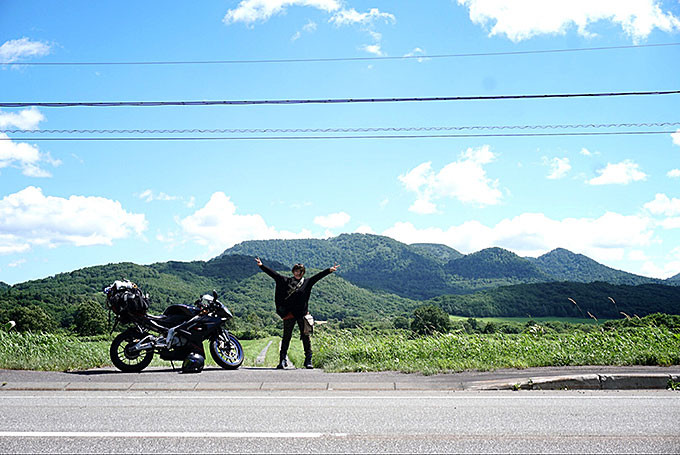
[
  {"x": 323, "y": 273},
  {"x": 267, "y": 270}
]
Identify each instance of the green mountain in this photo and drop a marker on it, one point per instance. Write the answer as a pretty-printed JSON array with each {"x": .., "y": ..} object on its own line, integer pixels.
[
  {"x": 440, "y": 253},
  {"x": 426, "y": 270},
  {"x": 674, "y": 280},
  {"x": 563, "y": 265},
  {"x": 3, "y": 285},
  {"x": 369, "y": 261},
  {"x": 496, "y": 263},
  {"x": 601, "y": 300}
]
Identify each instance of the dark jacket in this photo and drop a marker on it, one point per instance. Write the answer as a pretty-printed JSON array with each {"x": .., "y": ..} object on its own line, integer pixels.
[{"x": 291, "y": 296}]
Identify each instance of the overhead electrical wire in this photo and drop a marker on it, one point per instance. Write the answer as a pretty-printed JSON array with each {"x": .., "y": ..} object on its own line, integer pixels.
[
  {"x": 384, "y": 136},
  {"x": 340, "y": 59},
  {"x": 328, "y": 101},
  {"x": 343, "y": 130}
]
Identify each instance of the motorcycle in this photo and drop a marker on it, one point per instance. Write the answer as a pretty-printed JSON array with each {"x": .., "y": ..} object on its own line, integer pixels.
[{"x": 174, "y": 335}]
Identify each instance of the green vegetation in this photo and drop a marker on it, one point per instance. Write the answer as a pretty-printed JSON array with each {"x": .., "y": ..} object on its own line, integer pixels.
[
  {"x": 51, "y": 352},
  {"x": 370, "y": 351},
  {"x": 430, "y": 319},
  {"x": 601, "y": 300}
]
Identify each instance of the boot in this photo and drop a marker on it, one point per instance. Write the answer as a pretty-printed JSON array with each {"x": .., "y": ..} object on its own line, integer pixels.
[
  {"x": 308, "y": 362},
  {"x": 282, "y": 365}
]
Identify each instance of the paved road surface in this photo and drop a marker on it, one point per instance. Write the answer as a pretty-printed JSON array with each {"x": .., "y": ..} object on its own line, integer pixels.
[{"x": 340, "y": 422}]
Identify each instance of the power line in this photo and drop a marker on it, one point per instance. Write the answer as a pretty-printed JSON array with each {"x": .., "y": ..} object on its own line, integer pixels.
[
  {"x": 326, "y": 101},
  {"x": 339, "y": 59},
  {"x": 343, "y": 130},
  {"x": 385, "y": 136}
]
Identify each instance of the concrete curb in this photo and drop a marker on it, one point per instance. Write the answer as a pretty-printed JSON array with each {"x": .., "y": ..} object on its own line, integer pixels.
[{"x": 617, "y": 381}]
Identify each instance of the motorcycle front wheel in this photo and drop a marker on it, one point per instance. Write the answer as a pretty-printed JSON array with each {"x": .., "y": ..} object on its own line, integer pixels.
[
  {"x": 126, "y": 360},
  {"x": 226, "y": 350}
]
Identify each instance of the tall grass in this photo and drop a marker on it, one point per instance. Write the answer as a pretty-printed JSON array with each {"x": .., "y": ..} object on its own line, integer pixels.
[
  {"x": 364, "y": 350},
  {"x": 51, "y": 352},
  {"x": 369, "y": 351}
]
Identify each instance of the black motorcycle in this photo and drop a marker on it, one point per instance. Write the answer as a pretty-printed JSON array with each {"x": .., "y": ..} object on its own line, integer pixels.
[{"x": 174, "y": 335}]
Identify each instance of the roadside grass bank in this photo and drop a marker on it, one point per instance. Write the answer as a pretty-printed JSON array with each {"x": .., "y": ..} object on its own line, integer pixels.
[
  {"x": 357, "y": 350},
  {"x": 52, "y": 352},
  {"x": 399, "y": 350}
]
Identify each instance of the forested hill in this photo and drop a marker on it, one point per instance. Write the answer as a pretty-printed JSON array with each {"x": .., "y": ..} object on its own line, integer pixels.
[
  {"x": 369, "y": 261},
  {"x": 496, "y": 263},
  {"x": 564, "y": 265},
  {"x": 3, "y": 285},
  {"x": 436, "y": 251},
  {"x": 601, "y": 300},
  {"x": 427, "y": 270}
]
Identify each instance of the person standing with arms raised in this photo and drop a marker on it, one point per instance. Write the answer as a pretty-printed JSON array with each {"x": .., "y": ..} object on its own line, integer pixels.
[{"x": 292, "y": 305}]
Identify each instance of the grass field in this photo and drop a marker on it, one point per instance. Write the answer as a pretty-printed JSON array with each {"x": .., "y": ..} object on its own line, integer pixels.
[
  {"x": 401, "y": 351},
  {"x": 500, "y": 320},
  {"x": 365, "y": 350}
]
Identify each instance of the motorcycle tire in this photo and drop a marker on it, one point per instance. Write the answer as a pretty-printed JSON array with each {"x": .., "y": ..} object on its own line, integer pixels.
[
  {"x": 228, "y": 357},
  {"x": 126, "y": 361}
]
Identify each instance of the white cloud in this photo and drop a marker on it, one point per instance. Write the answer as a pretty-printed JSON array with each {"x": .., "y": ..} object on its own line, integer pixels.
[
  {"x": 13, "y": 50},
  {"x": 29, "y": 218},
  {"x": 586, "y": 152},
  {"x": 673, "y": 173},
  {"x": 559, "y": 167},
  {"x": 251, "y": 11},
  {"x": 309, "y": 27},
  {"x": 218, "y": 226},
  {"x": 352, "y": 17},
  {"x": 25, "y": 157},
  {"x": 663, "y": 205},
  {"x": 334, "y": 220},
  {"x": 621, "y": 173},
  {"x": 465, "y": 180},
  {"x": 149, "y": 196},
  {"x": 667, "y": 270},
  {"x": 417, "y": 52},
  {"x": 16, "y": 263},
  {"x": 26, "y": 119},
  {"x": 532, "y": 234},
  {"x": 364, "y": 229},
  {"x": 522, "y": 19},
  {"x": 374, "y": 49},
  {"x": 676, "y": 137}
]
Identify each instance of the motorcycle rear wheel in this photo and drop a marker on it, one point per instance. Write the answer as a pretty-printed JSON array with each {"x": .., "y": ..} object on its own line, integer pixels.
[
  {"x": 226, "y": 351},
  {"x": 123, "y": 359}
]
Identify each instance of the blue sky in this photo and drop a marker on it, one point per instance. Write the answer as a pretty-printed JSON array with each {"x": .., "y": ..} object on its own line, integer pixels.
[{"x": 66, "y": 205}]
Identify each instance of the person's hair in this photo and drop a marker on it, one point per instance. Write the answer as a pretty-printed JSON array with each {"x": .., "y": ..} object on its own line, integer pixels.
[{"x": 299, "y": 267}]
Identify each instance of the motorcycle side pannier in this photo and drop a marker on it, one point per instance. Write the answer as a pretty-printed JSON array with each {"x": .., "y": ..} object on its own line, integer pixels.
[{"x": 125, "y": 299}]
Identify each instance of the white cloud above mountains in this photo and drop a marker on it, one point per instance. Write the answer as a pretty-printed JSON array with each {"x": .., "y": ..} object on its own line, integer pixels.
[
  {"x": 523, "y": 19},
  {"x": 532, "y": 234},
  {"x": 16, "y": 49},
  {"x": 464, "y": 180},
  {"x": 28, "y": 218},
  {"x": 622, "y": 173},
  {"x": 332, "y": 221},
  {"x": 218, "y": 226}
]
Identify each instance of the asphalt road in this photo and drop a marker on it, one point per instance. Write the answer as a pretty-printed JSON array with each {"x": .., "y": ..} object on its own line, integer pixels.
[{"x": 340, "y": 422}]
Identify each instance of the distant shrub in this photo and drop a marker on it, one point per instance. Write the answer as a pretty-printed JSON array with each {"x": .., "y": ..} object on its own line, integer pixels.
[{"x": 429, "y": 319}]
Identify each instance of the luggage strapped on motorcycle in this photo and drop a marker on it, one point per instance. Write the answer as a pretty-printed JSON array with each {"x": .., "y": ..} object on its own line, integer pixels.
[{"x": 126, "y": 300}]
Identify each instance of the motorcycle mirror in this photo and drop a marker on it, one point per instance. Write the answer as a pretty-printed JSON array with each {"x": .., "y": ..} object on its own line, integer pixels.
[{"x": 214, "y": 294}]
